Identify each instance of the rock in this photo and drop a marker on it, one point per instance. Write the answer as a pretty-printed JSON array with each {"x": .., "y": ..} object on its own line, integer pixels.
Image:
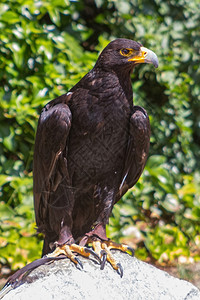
[{"x": 62, "y": 280}]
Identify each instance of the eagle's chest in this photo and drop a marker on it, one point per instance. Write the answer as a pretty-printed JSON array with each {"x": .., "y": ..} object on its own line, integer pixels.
[
  {"x": 106, "y": 121},
  {"x": 99, "y": 135}
]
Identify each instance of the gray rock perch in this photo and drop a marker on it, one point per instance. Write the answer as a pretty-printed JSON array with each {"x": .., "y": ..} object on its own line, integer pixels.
[{"x": 61, "y": 280}]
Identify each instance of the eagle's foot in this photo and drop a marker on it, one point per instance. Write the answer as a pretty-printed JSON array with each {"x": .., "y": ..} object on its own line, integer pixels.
[
  {"x": 71, "y": 252},
  {"x": 103, "y": 250}
]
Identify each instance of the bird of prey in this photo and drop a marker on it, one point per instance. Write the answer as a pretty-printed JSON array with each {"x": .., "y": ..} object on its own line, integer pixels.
[{"x": 91, "y": 146}]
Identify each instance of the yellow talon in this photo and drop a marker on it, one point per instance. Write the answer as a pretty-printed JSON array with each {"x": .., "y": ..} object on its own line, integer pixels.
[
  {"x": 71, "y": 250},
  {"x": 103, "y": 249}
]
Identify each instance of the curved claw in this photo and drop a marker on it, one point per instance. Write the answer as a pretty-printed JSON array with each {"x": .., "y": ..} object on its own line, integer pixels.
[
  {"x": 103, "y": 259},
  {"x": 5, "y": 290},
  {"x": 120, "y": 270},
  {"x": 79, "y": 263},
  {"x": 131, "y": 250},
  {"x": 88, "y": 250}
]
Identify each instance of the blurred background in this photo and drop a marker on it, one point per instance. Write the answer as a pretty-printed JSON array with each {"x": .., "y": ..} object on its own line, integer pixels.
[{"x": 45, "y": 48}]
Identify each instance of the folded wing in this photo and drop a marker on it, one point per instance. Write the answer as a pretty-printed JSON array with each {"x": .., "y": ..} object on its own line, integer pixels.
[{"x": 137, "y": 150}]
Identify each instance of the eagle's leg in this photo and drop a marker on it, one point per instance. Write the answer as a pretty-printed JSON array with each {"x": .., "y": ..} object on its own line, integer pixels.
[
  {"x": 66, "y": 245},
  {"x": 103, "y": 246},
  {"x": 105, "y": 197}
]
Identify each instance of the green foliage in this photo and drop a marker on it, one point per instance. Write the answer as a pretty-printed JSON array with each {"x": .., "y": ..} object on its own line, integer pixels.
[{"x": 45, "y": 48}]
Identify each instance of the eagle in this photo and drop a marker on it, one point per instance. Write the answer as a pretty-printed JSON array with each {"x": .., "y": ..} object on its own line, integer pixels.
[{"x": 91, "y": 146}]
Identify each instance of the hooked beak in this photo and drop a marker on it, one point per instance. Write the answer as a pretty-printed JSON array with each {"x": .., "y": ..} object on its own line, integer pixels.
[{"x": 145, "y": 56}]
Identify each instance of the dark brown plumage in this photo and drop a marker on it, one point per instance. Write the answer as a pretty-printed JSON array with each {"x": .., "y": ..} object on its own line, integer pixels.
[{"x": 91, "y": 147}]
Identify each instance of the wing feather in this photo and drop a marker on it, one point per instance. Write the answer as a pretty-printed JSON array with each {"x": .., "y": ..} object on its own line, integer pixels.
[
  {"x": 50, "y": 144},
  {"x": 137, "y": 150}
]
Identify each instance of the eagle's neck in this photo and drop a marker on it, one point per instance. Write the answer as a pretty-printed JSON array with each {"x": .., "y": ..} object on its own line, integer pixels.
[
  {"x": 113, "y": 83},
  {"x": 123, "y": 76}
]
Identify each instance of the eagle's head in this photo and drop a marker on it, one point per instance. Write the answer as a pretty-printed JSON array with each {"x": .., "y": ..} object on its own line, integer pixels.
[{"x": 125, "y": 53}]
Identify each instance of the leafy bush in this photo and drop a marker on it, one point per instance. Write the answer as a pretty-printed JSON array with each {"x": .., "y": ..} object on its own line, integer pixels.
[{"x": 45, "y": 48}]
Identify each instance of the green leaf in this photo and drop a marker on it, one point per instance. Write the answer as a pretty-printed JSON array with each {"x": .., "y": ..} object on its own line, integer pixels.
[{"x": 10, "y": 17}]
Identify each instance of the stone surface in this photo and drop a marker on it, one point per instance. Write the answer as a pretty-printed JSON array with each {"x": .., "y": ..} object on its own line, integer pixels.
[{"x": 62, "y": 280}]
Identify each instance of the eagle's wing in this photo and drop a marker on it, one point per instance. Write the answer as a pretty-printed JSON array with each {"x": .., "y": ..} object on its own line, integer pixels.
[
  {"x": 137, "y": 150},
  {"x": 50, "y": 152}
]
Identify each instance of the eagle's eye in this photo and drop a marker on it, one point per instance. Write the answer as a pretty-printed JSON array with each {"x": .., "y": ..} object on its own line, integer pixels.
[{"x": 126, "y": 52}]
